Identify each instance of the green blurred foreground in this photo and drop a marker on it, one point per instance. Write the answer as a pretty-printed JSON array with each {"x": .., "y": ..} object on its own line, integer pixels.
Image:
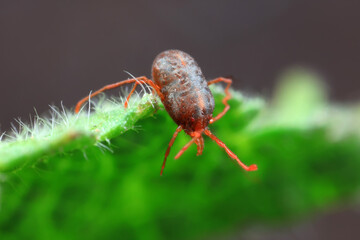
[{"x": 307, "y": 152}]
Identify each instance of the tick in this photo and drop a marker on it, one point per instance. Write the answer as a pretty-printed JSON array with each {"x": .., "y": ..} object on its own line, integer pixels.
[{"x": 184, "y": 91}]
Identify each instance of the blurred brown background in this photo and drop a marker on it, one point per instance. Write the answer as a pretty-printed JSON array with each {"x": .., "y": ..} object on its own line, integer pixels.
[
  {"x": 60, "y": 50},
  {"x": 52, "y": 51}
]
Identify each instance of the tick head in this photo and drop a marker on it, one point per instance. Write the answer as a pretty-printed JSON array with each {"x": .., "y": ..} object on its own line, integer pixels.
[
  {"x": 195, "y": 127},
  {"x": 195, "y": 134}
]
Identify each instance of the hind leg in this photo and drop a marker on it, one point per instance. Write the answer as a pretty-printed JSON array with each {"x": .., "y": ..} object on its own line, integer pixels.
[{"x": 226, "y": 98}]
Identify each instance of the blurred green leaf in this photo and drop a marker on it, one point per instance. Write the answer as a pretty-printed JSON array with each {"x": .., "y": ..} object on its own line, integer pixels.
[{"x": 113, "y": 191}]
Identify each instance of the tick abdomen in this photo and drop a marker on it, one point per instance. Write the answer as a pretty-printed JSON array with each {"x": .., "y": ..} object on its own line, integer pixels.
[{"x": 186, "y": 95}]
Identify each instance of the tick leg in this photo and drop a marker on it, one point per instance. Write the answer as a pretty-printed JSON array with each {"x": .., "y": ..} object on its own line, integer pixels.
[
  {"x": 179, "y": 129},
  {"x": 131, "y": 92},
  {"x": 252, "y": 167},
  {"x": 185, "y": 147},
  {"x": 139, "y": 80},
  {"x": 200, "y": 145},
  {"x": 226, "y": 98}
]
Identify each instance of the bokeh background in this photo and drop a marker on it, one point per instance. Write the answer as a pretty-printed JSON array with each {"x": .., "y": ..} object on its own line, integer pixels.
[{"x": 52, "y": 51}]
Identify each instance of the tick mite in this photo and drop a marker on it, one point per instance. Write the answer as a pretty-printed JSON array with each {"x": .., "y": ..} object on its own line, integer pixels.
[{"x": 182, "y": 88}]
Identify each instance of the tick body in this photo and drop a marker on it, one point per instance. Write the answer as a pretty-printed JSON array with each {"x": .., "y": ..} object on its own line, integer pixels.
[
  {"x": 184, "y": 91},
  {"x": 186, "y": 95}
]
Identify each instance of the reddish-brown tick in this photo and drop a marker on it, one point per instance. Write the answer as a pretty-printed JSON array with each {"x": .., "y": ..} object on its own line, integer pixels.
[{"x": 182, "y": 88}]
